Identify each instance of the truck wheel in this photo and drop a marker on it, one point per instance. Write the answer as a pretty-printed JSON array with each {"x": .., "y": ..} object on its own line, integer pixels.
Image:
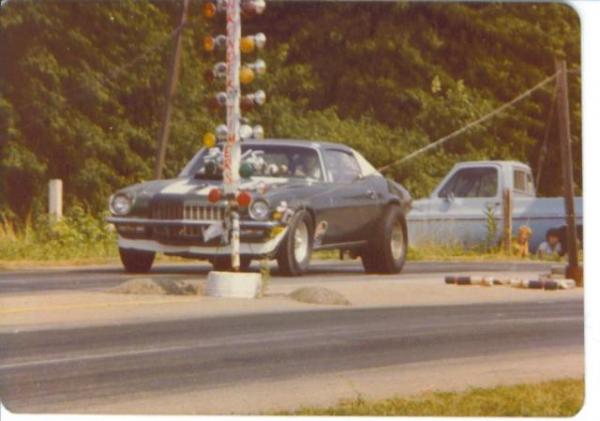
[
  {"x": 295, "y": 250},
  {"x": 136, "y": 261},
  {"x": 223, "y": 263},
  {"x": 387, "y": 250}
]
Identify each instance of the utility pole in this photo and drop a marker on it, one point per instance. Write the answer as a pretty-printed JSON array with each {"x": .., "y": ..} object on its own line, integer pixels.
[
  {"x": 507, "y": 208},
  {"x": 574, "y": 271},
  {"x": 544, "y": 147},
  {"x": 163, "y": 136}
]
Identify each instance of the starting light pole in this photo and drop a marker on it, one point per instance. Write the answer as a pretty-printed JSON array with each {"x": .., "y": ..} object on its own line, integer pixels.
[
  {"x": 233, "y": 132},
  {"x": 232, "y": 149}
]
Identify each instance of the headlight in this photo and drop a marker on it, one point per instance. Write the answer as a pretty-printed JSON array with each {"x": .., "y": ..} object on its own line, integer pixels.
[
  {"x": 259, "y": 210},
  {"x": 120, "y": 204}
]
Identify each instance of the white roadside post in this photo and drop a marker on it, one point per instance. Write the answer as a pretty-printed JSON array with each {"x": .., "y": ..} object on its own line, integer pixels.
[{"x": 55, "y": 199}]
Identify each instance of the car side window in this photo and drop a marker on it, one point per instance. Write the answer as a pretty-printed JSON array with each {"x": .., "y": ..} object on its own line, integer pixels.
[
  {"x": 472, "y": 182},
  {"x": 341, "y": 166}
]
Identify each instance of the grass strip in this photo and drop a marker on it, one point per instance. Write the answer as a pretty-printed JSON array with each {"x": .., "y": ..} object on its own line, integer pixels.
[{"x": 561, "y": 398}]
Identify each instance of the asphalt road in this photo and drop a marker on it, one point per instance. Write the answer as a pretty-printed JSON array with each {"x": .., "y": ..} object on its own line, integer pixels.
[
  {"x": 48, "y": 370},
  {"x": 54, "y": 370},
  {"x": 99, "y": 278}
]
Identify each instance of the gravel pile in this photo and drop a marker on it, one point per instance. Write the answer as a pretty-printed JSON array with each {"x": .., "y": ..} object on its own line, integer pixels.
[
  {"x": 148, "y": 286},
  {"x": 318, "y": 295}
]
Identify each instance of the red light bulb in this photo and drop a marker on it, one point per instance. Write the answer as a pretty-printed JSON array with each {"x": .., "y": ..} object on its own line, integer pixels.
[
  {"x": 244, "y": 198},
  {"x": 214, "y": 195}
]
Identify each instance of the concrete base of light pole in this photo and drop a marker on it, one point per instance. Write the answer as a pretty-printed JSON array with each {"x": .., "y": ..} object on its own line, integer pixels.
[{"x": 233, "y": 284}]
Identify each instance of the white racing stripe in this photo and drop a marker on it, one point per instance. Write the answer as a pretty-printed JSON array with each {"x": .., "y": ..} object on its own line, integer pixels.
[
  {"x": 181, "y": 187},
  {"x": 204, "y": 191},
  {"x": 187, "y": 185}
]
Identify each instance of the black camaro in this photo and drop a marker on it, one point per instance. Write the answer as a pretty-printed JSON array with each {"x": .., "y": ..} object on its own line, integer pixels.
[{"x": 296, "y": 197}]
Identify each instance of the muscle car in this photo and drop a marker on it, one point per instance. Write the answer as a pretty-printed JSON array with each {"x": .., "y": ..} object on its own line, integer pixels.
[{"x": 298, "y": 196}]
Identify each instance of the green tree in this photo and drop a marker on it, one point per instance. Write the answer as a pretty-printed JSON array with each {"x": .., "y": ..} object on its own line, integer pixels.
[{"x": 82, "y": 88}]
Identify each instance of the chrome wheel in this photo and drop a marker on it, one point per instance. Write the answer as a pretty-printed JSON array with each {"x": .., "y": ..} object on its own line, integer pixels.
[
  {"x": 293, "y": 255},
  {"x": 301, "y": 242},
  {"x": 397, "y": 240}
]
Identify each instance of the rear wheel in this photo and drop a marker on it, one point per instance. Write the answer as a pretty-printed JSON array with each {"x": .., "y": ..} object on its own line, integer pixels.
[
  {"x": 136, "y": 261},
  {"x": 387, "y": 250},
  {"x": 295, "y": 251},
  {"x": 223, "y": 263}
]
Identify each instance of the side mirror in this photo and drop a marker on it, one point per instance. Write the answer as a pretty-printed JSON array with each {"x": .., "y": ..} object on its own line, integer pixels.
[{"x": 449, "y": 197}]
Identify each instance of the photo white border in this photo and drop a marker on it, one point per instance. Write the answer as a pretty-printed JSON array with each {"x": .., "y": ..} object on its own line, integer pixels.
[{"x": 589, "y": 12}]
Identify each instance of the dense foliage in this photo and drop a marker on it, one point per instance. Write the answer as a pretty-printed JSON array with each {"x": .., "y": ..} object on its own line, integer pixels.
[
  {"x": 82, "y": 86},
  {"x": 77, "y": 237}
]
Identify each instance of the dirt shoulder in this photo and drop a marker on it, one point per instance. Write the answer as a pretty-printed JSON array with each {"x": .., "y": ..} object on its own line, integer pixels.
[{"x": 64, "y": 309}]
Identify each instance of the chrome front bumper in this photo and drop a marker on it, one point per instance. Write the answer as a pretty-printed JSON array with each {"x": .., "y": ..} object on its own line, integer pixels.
[
  {"x": 185, "y": 222},
  {"x": 253, "y": 248}
]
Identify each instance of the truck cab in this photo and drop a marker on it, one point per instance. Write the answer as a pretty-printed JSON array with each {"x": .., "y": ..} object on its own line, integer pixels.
[{"x": 457, "y": 210}]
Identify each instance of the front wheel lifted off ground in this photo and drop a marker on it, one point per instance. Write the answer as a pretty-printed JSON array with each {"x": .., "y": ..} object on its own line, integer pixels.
[
  {"x": 136, "y": 261},
  {"x": 295, "y": 250},
  {"x": 387, "y": 250}
]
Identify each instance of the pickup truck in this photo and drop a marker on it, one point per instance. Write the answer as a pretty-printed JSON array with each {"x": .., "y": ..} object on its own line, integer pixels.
[{"x": 456, "y": 211}]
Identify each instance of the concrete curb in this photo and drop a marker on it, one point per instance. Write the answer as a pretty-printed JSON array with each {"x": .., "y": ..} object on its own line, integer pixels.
[
  {"x": 541, "y": 283},
  {"x": 471, "y": 280},
  {"x": 549, "y": 284}
]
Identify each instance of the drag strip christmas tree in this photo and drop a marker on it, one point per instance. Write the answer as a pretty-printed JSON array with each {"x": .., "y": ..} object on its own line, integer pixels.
[{"x": 235, "y": 75}]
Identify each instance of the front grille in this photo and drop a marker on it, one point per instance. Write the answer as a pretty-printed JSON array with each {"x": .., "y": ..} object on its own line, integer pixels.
[
  {"x": 167, "y": 211},
  {"x": 209, "y": 213},
  {"x": 188, "y": 212}
]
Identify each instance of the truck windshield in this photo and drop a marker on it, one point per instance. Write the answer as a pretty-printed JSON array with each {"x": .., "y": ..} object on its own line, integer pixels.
[
  {"x": 472, "y": 182},
  {"x": 280, "y": 161}
]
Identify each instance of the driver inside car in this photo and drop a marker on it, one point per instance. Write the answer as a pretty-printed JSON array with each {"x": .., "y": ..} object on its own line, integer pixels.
[{"x": 308, "y": 167}]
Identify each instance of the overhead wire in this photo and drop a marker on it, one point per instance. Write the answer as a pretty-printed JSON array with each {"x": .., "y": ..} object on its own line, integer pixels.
[
  {"x": 459, "y": 131},
  {"x": 472, "y": 124}
]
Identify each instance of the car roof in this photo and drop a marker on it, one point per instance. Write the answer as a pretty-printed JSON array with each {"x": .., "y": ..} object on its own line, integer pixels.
[{"x": 299, "y": 142}]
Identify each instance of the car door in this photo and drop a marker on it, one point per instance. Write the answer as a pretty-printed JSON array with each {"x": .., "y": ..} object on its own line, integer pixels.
[
  {"x": 458, "y": 208},
  {"x": 352, "y": 199}
]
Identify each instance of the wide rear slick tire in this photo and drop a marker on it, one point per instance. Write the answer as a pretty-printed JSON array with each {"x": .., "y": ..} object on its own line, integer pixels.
[
  {"x": 295, "y": 250},
  {"x": 136, "y": 261},
  {"x": 386, "y": 253}
]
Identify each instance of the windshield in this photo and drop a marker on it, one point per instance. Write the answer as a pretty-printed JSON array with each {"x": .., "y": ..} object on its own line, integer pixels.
[{"x": 281, "y": 161}]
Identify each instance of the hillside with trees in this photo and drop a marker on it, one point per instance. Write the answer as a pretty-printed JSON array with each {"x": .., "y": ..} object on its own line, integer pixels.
[{"x": 82, "y": 87}]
